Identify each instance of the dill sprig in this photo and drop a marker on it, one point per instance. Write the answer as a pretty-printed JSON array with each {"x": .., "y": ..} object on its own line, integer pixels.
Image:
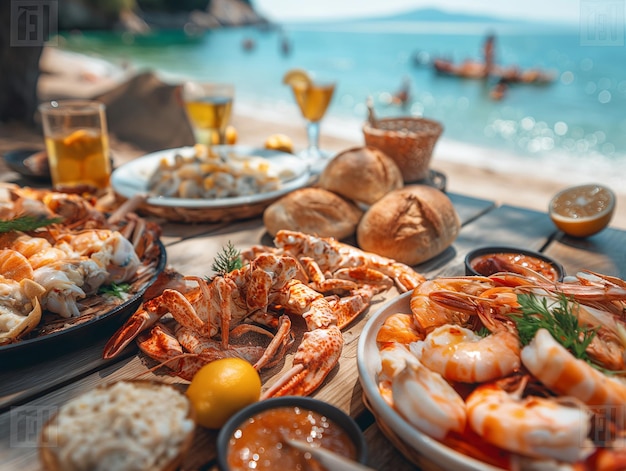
[
  {"x": 26, "y": 223},
  {"x": 559, "y": 319},
  {"x": 115, "y": 289},
  {"x": 227, "y": 260}
]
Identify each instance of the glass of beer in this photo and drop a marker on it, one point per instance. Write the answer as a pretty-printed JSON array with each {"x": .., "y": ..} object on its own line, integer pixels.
[
  {"x": 209, "y": 108},
  {"x": 313, "y": 95},
  {"x": 77, "y": 143}
]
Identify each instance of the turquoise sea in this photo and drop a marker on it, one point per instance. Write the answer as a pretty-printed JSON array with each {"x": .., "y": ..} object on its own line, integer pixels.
[{"x": 574, "y": 127}]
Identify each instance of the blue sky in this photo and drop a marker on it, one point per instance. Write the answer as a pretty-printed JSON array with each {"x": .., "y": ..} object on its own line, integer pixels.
[{"x": 548, "y": 10}]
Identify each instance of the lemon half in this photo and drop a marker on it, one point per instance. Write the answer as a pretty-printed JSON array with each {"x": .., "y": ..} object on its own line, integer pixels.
[
  {"x": 297, "y": 77},
  {"x": 584, "y": 210}
]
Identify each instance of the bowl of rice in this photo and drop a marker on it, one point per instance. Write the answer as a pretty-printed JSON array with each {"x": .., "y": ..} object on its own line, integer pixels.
[{"x": 122, "y": 426}]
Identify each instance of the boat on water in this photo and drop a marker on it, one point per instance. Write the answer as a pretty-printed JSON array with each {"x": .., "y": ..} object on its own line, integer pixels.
[{"x": 470, "y": 69}]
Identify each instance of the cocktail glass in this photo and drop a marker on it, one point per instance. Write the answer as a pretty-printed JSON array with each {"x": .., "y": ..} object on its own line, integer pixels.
[
  {"x": 313, "y": 95},
  {"x": 209, "y": 108}
]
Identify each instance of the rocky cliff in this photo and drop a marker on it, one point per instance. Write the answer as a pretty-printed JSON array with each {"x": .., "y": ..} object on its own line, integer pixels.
[{"x": 144, "y": 15}]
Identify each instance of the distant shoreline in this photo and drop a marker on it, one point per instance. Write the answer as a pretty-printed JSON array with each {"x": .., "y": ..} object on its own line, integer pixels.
[{"x": 471, "y": 170}]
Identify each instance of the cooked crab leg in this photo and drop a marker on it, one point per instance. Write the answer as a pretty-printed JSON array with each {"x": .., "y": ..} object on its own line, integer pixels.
[
  {"x": 144, "y": 318},
  {"x": 316, "y": 356},
  {"x": 162, "y": 346}
]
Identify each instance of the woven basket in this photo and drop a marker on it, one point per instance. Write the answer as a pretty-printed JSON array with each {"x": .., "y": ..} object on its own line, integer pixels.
[{"x": 408, "y": 141}]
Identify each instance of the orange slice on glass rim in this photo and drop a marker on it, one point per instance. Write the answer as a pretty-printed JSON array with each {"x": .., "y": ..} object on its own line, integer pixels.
[
  {"x": 584, "y": 210},
  {"x": 297, "y": 77}
]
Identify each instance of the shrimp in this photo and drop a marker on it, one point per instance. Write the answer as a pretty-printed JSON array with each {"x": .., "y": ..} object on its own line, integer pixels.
[
  {"x": 533, "y": 426},
  {"x": 398, "y": 328},
  {"x": 427, "y": 401},
  {"x": 110, "y": 250},
  {"x": 459, "y": 354},
  {"x": 430, "y": 314},
  {"x": 564, "y": 374},
  {"x": 20, "y": 310},
  {"x": 393, "y": 359},
  {"x": 420, "y": 395},
  {"x": 62, "y": 283}
]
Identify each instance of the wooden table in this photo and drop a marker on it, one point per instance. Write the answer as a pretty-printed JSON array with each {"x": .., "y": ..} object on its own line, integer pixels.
[{"x": 28, "y": 393}]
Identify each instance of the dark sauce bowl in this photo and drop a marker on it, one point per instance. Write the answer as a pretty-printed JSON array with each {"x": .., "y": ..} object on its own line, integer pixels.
[
  {"x": 479, "y": 262},
  {"x": 334, "y": 414}
]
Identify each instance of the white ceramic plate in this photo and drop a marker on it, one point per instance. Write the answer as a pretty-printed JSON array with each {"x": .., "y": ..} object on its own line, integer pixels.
[
  {"x": 368, "y": 361},
  {"x": 131, "y": 178}
]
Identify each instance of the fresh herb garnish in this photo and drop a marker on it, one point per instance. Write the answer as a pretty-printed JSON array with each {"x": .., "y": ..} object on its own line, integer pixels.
[
  {"x": 115, "y": 289},
  {"x": 227, "y": 260},
  {"x": 559, "y": 319},
  {"x": 26, "y": 223}
]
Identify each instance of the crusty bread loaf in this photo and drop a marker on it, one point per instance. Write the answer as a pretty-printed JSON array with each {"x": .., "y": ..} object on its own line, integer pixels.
[
  {"x": 313, "y": 211},
  {"x": 361, "y": 174},
  {"x": 410, "y": 225}
]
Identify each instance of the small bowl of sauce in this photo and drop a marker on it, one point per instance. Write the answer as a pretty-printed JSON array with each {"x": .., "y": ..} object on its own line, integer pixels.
[
  {"x": 254, "y": 438},
  {"x": 489, "y": 260}
]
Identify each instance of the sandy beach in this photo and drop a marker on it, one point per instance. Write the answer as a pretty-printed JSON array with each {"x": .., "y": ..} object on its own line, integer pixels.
[{"x": 71, "y": 75}]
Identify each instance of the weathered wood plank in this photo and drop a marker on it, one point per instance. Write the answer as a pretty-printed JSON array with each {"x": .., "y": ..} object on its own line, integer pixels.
[
  {"x": 504, "y": 226},
  {"x": 604, "y": 252}
]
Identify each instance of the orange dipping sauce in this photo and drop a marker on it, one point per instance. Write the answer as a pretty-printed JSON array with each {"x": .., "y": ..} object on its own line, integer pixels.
[
  {"x": 258, "y": 444},
  {"x": 489, "y": 264}
]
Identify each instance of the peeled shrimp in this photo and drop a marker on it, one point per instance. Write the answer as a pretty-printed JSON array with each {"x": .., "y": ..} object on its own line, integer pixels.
[
  {"x": 111, "y": 250},
  {"x": 564, "y": 374},
  {"x": 427, "y": 401},
  {"x": 459, "y": 354},
  {"x": 20, "y": 310},
  {"x": 421, "y": 396},
  {"x": 533, "y": 426},
  {"x": 63, "y": 288}
]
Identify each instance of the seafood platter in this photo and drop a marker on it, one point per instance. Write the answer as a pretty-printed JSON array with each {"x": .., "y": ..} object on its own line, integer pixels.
[
  {"x": 507, "y": 371},
  {"x": 68, "y": 271},
  {"x": 209, "y": 184}
]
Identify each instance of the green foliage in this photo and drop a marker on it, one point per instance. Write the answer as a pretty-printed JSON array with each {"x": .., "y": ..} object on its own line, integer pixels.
[
  {"x": 559, "y": 319},
  {"x": 227, "y": 260},
  {"x": 26, "y": 223},
  {"x": 115, "y": 289}
]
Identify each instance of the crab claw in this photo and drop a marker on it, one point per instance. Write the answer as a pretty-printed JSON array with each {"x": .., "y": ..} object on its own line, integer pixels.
[
  {"x": 317, "y": 355},
  {"x": 144, "y": 318}
]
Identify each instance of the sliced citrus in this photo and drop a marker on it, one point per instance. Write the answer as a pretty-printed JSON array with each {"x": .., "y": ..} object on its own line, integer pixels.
[
  {"x": 584, "y": 210},
  {"x": 221, "y": 388},
  {"x": 297, "y": 77},
  {"x": 279, "y": 142}
]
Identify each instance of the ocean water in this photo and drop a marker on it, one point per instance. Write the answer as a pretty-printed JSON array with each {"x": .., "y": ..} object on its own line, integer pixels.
[{"x": 573, "y": 128}]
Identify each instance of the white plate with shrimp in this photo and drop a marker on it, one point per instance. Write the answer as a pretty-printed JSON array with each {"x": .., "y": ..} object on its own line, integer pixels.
[
  {"x": 514, "y": 396},
  {"x": 369, "y": 365},
  {"x": 222, "y": 177}
]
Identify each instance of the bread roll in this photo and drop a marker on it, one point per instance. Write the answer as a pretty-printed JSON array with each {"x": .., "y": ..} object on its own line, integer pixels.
[
  {"x": 410, "y": 225},
  {"x": 313, "y": 211},
  {"x": 361, "y": 174}
]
